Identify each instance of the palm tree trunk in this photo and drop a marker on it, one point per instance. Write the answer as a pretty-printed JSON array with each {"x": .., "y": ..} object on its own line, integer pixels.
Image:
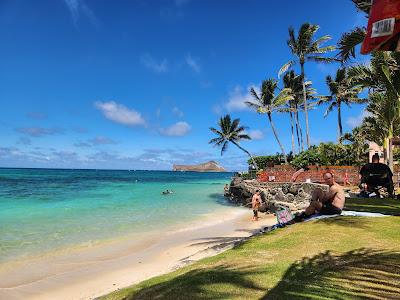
[
  {"x": 247, "y": 152},
  {"x": 298, "y": 128},
  {"x": 340, "y": 129},
  {"x": 390, "y": 152},
  {"x": 305, "y": 106},
  {"x": 292, "y": 128},
  {"x": 276, "y": 136}
]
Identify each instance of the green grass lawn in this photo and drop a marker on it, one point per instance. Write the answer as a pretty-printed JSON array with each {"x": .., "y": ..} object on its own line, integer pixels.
[
  {"x": 337, "y": 258},
  {"x": 385, "y": 206}
]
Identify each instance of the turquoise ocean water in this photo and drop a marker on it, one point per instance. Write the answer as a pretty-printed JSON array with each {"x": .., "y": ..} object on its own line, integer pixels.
[{"x": 46, "y": 209}]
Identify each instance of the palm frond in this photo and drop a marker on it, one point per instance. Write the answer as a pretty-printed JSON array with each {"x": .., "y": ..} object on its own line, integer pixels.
[
  {"x": 254, "y": 94},
  {"x": 363, "y": 5},
  {"x": 252, "y": 105},
  {"x": 244, "y": 137},
  {"x": 285, "y": 67},
  {"x": 330, "y": 108},
  {"x": 348, "y": 43},
  {"x": 321, "y": 40}
]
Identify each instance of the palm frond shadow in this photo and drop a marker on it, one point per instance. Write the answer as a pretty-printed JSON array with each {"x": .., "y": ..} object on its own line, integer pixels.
[
  {"x": 219, "y": 242},
  {"x": 358, "y": 274},
  {"x": 354, "y": 222},
  {"x": 195, "y": 284}
]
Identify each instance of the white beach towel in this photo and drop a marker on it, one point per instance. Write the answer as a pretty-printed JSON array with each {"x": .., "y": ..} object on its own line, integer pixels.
[{"x": 348, "y": 213}]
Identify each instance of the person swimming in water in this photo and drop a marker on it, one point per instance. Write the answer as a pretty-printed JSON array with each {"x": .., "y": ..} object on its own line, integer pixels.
[{"x": 167, "y": 192}]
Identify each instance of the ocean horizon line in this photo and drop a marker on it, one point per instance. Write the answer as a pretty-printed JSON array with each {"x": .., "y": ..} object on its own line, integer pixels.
[{"x": 99, "y": 169}]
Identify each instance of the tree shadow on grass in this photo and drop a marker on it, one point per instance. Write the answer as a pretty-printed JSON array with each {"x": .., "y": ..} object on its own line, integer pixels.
[
  {"x": 346, "y": 221},
  {"x": 197, "y": 284},
  {"x": 358, "y": 274}
]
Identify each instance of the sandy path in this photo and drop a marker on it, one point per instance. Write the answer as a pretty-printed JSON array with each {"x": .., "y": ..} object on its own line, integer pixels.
[{"x": 89, "y": 273}]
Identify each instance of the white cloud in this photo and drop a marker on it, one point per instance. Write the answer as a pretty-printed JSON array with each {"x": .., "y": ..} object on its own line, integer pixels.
[
  {"x": 177, "y": 129},
  {"x": 76, "y": 7},
  {"x": 176, "y": 111},
  {"x": 39, "y": 131},
  {"x": 237, "y": 99},
  {"x": 102, "y": 140},
  {"x": 256, "y": 134},
  {"x": 24, "y": 141},
  {"x": 192, "y": 63},
  {"x": 120, "y": 113},
  {"x": 356, "y": 121},
  {"x": 149, "y": 62}
]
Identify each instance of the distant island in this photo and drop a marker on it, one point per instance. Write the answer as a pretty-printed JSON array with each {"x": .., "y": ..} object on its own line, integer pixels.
[{"x": 210, "y": 166}]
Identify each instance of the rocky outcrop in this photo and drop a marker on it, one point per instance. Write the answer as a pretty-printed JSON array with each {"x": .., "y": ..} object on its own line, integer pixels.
[
  {"x": 295, "y": 196},
  {"x": 210, "y": 166}
]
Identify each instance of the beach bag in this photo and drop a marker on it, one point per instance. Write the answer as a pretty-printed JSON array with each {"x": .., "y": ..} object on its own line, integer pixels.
[{"x": 283, "y": 215}]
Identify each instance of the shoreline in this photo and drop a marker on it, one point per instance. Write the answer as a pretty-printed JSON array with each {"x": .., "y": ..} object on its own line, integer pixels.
[{"x": 99, "y": 270}]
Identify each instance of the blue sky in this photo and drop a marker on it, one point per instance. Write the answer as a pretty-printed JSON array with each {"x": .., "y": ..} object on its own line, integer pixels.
[{"x": 136, "y": 84}]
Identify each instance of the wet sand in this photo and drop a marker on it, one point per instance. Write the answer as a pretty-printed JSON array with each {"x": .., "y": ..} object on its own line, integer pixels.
[{"x": 89, "y": 272}]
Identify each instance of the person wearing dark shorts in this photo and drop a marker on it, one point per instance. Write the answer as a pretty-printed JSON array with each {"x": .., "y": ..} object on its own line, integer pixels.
[
  {"x": 255, "y": 204},
  {"x": 329, "y": 209},
  {"x": 329, "y": 202}
]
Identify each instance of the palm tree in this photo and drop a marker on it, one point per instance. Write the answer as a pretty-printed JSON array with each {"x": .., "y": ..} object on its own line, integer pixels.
[
  {"x": 350, "y": 40},
  {"x": 341, "y": 92},
  {"x": 304, "y": 48},
  {"x": 382, "y": 78},
  {"x": 267, "y": 102},
  {"x": 230, "y": 131},
  {"x": 294, "y": 82}
]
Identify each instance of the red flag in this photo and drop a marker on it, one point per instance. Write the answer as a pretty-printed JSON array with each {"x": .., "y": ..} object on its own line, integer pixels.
[{"x": 383, "y": 30}]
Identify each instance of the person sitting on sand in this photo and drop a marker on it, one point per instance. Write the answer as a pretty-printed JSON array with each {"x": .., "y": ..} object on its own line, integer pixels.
[
  {"x": 255, "y": 204},
  {"x": 326, "y": 203}
]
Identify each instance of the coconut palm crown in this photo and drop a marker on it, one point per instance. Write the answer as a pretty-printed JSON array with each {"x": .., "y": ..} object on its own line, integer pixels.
[
  {"x": 267, "y": 102},
  {"x": 305, "y": 48},
  {"x": 355, "y": 37},
  {"x": 230, "y": 132},
  {"x": 341, "y": 91}
]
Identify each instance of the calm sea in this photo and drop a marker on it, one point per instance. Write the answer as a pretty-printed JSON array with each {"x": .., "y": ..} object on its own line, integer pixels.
[{"x": 46, "y": 209}]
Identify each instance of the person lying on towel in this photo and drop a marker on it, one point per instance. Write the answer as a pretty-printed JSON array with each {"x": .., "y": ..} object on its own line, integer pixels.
[{"x": 325, "y": 203}]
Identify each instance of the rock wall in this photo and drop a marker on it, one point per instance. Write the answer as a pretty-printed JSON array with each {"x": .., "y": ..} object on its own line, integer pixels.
[
  {"x": 344, "y": 175},
  {"x": 295, "y": 196}
]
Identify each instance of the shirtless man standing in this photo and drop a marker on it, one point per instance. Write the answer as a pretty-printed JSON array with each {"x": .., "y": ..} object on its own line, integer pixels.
[
  {"x": 327, "y": 203},
  {"x": 255, "y": 204}
]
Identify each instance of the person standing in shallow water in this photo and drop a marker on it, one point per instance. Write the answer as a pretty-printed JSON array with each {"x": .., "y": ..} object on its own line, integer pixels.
[{"x": 255, "y": 204}]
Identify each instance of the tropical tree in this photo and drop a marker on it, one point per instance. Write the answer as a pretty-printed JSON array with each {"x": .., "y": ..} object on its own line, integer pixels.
[
  {"x": 341, "y": 92},
  {"x": 350, "y": 40},
  {"x": 267, "y": 103},
  {"x": 358, "y": 140},
  {"x": 294, "y": 82},
  {"x": 305, "y": 48},
  {"x": 230, "y": 132},
  {"x": 382, "y": 78}
]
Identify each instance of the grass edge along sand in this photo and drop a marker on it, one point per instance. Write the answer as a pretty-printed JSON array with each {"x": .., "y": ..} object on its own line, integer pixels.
[{"x": 341, "y": 258}]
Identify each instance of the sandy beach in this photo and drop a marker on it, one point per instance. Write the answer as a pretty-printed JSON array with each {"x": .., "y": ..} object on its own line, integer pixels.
[{"x": 89, "y": 272}]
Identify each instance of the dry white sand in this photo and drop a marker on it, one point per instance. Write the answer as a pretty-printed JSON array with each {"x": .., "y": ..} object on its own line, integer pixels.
[{"x": 92, "y": 271}]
